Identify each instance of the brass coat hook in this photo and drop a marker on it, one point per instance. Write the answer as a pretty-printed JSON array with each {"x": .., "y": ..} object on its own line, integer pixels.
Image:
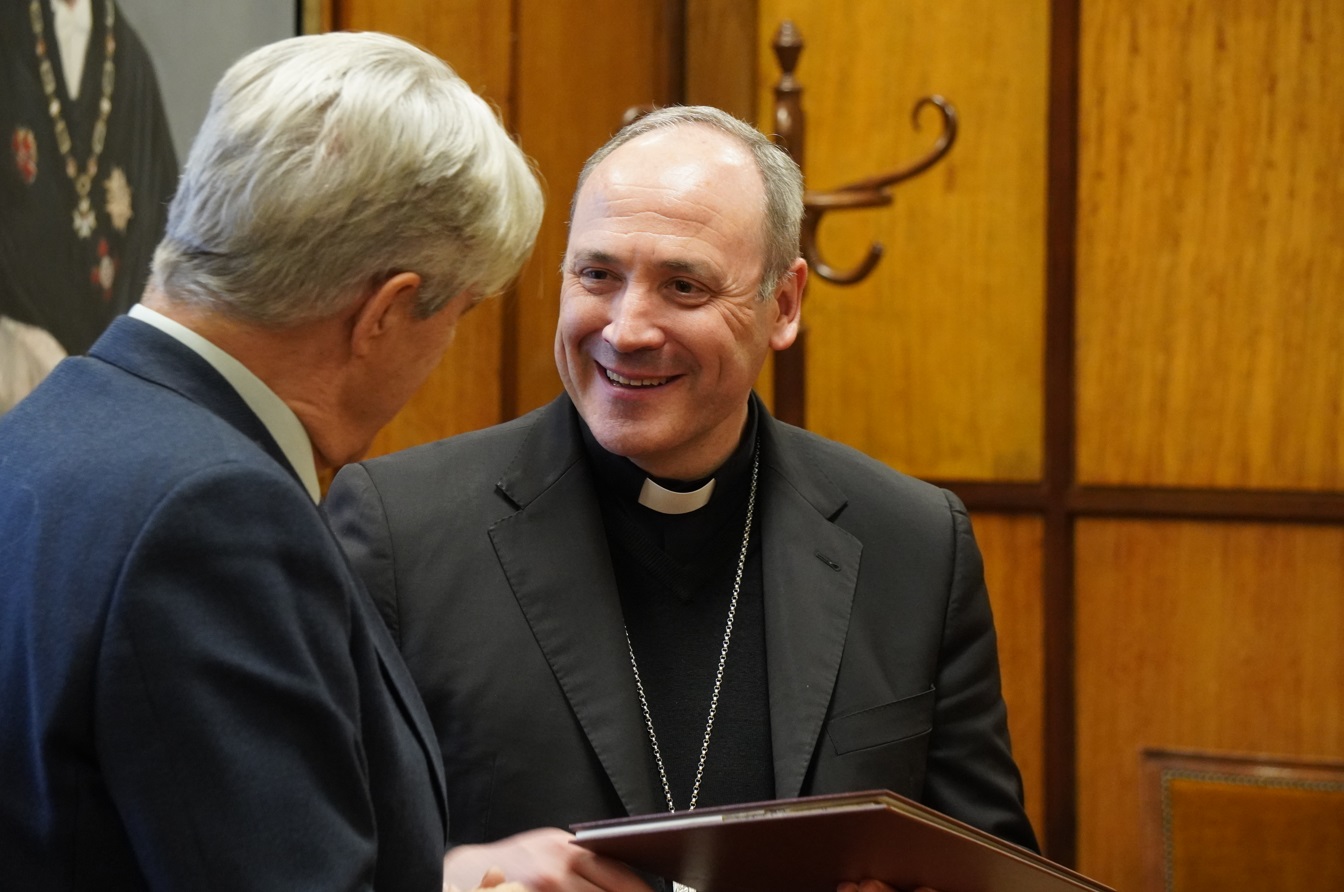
[{"x": 874, "y": 191}]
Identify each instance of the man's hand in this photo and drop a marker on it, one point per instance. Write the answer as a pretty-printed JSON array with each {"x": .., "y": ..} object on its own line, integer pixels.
[
  {"x": 493, "y": 880},
  {"x": 540, "y": 860}
]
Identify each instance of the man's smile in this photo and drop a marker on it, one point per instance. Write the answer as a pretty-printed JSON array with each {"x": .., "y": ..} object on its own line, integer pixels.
[{"x": 622, "y": 381}]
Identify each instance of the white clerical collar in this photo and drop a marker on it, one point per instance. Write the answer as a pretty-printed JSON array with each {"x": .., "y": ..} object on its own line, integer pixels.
[
  {"x": 73, "y": 23},
  {"x": 280, "y": 421},
  {"x": 667, "y": 501}
]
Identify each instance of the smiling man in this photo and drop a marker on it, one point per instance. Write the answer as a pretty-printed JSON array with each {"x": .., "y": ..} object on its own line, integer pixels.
[
  {"x": 651, "y": 595},
  {"x": 665, "y": 318}
]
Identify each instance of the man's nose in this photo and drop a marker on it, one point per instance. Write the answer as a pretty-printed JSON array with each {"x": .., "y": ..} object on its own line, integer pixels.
[{"x": 635, "y": 322}]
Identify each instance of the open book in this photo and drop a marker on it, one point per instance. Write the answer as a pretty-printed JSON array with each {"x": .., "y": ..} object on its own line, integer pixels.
[{"x": 811, "y": 844}]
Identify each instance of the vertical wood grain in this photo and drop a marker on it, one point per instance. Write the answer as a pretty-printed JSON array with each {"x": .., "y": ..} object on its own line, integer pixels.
[
  {"x": 1223, "y": 637},
  {"x": 721, "y": 55},
  {"x": 473, "y": 36},
  {"x": 563, "y": 72},
  {"x": 316, "y": 16},
  {"x": 934, "y": 365},
  {"x": 1011, "y": 546},
  {"x": 1211, "y": 244},
  {"x": 581, "y": 64}
]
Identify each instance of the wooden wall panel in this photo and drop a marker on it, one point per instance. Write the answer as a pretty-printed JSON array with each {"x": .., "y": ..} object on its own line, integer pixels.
[
  {"x": 1226, "y": 637},
  {"x": 581, "y": 63},
  {"x": 463, "y": 392},
  {"x": 720, "y": 61},
  {"x": 934, "y": 364},
  {"x": 1011, "y": 546},
  {"x": 471, "y": 35},
  {"x": 1210, "y": 253},
  {"x": 1211, "y": 244}
]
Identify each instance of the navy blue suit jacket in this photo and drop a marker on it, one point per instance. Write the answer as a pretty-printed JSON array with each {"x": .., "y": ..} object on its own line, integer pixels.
[
  {"x": 196, "y": 692},
  {"x": 488, "y": 557}
]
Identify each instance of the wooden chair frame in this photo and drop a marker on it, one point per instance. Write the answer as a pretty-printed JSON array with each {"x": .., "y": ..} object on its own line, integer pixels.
[{"x": 1162, "y": 766}]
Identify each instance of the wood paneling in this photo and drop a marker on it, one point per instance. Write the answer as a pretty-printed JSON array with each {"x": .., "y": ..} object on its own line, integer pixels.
[
  {"x": 1211, "y": 244},
  {"x": 934, "y": 364},
  {"x": 581, "y": 63},
  {"x": 1219, "y": 637},
  {"x": 1209, "y": 209},
  {"x": 720, "y": 64},
  {"x": 1011, "y": 546},
  {"x": 463, "y": 392},
  {"x": 473, "y": 36}
]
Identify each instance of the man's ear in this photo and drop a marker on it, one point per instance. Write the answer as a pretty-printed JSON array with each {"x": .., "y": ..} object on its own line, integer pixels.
[
  {"x": 789, "y": 299},
  {"x": 387, "y": 305}
]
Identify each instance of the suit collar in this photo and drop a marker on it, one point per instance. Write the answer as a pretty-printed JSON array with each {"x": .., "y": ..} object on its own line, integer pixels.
[
  {"x": 147, "y": 353},
  {"x": 554, "y": 552},
  {"x": 810, "y": 567},
  {"x": 784, "y": 450},
  {"x": 549, "y": 451},
  {"x": 142, "y": 350},
  {"x": 280, "y": 420}
]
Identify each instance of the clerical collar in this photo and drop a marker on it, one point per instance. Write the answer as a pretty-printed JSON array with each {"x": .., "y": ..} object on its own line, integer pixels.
[
  {"x": 672, "y": 497},
  {"x": 669, "y": 501}
]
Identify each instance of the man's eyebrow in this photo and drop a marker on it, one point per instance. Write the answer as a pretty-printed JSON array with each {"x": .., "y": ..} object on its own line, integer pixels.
[
  {"x": 671, "y": 265},
  {"x": 592, "y": 255},
  {"x": 690, "y": 267}
]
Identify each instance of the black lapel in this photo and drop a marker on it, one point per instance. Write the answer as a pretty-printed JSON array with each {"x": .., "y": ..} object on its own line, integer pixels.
[
  {"x": 811, "y": 568},
  {"x": 554, "y": 553}
]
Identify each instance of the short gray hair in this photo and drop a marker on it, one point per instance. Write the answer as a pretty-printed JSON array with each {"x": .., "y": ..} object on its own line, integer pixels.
[
  {"x": 327, "y": 164},
  {"x": 783, "y": 180}
]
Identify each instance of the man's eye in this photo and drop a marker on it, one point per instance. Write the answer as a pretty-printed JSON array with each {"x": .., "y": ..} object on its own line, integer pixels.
[
  {"x": 682, "y": 286},
  {"x": 595, "y": 278}
]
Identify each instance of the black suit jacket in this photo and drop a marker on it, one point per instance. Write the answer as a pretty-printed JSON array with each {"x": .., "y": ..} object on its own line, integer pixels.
[
  {"x": 196, "y": 691},
  {"x": 487, "y": 556}
]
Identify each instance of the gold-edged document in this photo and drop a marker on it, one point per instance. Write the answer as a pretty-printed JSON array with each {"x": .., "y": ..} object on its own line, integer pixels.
[{"x": 811, "y": 844}]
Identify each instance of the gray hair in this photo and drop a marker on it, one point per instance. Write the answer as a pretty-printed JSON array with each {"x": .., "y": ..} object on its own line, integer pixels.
[
  {"x": 783, "y": 180},
  {"x": 327, "y": 164}
]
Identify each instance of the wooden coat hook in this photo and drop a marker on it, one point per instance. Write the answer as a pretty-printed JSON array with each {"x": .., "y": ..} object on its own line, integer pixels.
[
  {"x": 790, "y": 385},
  {"x": 874, "y": 191}
]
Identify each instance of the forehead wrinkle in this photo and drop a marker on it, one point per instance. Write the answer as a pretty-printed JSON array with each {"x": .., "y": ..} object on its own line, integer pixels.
[
  {"x": 678, "y": 211},
  {"x": 680, "y": 190}
]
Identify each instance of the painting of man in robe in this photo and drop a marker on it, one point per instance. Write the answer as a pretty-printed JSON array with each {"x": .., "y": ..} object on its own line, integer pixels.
[{"x": 87, "y": 166}]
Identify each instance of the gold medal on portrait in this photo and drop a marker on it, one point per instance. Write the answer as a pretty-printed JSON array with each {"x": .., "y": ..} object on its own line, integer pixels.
[{"x": 118, "y": 199}]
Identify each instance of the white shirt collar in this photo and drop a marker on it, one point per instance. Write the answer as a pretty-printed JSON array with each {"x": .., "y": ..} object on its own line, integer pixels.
[
  {"x": 279, "y": 419},
  {"x": 73, "y": 24}
]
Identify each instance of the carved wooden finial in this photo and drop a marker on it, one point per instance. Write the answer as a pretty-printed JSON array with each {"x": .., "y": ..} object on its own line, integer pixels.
[{"x": 788, "y": 46}]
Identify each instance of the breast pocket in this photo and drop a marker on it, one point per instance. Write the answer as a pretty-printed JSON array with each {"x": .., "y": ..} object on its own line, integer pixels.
[
  {"x": 891, "y": 722},
  {"x": 883, "y": 747}
]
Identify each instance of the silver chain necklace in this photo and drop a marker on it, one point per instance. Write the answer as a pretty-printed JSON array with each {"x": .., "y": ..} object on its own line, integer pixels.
[{"x": 718, "y": 675}]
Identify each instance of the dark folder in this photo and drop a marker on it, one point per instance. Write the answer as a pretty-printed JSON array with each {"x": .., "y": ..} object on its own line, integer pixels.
[{"x": 811, "y": 844}]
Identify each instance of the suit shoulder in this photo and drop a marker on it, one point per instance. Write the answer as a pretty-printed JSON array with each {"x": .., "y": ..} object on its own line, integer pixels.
[
  {"x": 93, "y": 430},
  {"x": 865, "y": 480},
  {"x": 471, "y": 454}
]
